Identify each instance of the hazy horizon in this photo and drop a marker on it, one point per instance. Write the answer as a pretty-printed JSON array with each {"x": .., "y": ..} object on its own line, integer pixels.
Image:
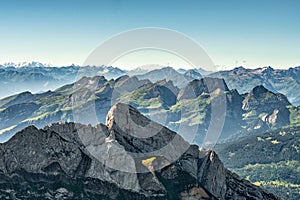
[
  {"x": 233, "y": 33},
  {"x": 149, "y": 66}
]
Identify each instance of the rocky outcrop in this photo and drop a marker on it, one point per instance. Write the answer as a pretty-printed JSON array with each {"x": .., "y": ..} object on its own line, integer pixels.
[
  {"x": 193, "y": 73},
  {"x": 131, "y": 157},
  {"x": 205, "y": 85},
  {"x": 271, "y": 108}
]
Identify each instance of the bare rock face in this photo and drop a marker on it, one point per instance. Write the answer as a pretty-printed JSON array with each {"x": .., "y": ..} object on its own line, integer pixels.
[
  {"x": 264, "y": 101},
  {"x": 131, "y": 157},
  {"x": 205, "y": 85},
  {"x": 138, "y": 134}
]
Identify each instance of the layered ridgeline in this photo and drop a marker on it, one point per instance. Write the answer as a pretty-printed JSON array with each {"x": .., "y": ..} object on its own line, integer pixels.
[
  {"x": 168, "y": 73},
  {"x": 270, "y": 160},
  {"x": 113, "y": 161},
  {"x": 189, "y": 110},
  {"x": 37, "y": 77},
  {"x": 282, "y": 81}
]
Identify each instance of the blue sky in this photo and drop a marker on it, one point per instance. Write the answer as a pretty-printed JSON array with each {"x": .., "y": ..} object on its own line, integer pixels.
[{"x": 252, "y": 33}]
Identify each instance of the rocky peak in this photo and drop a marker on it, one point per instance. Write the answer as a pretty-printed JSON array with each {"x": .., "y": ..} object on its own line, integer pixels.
[
  {"x": 167, "y": 73},
  {"x": 258, "y": 91},
  {"x": 267, "y": 70},
  {"x": 170, "y": 85},
  {"x": 139, "y": 134},
  {"x": 270, "y": 108},
  {"x": 260, "y": 97},
  {"x": 239, "y": 69},
  {"x": 192, "y": 73},
  {"x": 131, "y": 157},
  {"x": 89, "y": 82},
  {"x": 205, "y": 85},
  {"x": 130, "y": 82},
  {"x": 162, "y": 91},
  {"x": 127, "y": 83}
]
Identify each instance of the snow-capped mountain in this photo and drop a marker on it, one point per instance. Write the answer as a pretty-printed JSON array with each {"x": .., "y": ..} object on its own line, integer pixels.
[{"x": 24, "y": 64}]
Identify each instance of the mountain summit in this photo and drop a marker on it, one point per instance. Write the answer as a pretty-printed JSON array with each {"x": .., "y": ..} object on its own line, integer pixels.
[
  {"x": 131, "y": 157},
  {"x": 282, "y": 81}
]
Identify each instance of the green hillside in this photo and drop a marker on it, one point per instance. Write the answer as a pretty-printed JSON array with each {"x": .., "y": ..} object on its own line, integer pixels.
[{"x": 271, "y": 160}]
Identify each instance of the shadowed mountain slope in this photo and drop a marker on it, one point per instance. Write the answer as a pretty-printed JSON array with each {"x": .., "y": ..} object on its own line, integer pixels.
[{"x": 117, "y": 161}]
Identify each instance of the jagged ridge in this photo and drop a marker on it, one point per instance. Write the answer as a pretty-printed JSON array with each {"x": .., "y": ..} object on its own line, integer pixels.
[{"x": 68, "y": 160}]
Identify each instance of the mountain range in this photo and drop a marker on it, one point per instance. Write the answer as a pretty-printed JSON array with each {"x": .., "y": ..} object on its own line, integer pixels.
[
  {"x": 37, "y": 77},
  {"x": 66, "y": 161},
  {"x": 188, "y": 110},
  {"x": 252, "y": 114},
  {"x": 282, "y": 81}
]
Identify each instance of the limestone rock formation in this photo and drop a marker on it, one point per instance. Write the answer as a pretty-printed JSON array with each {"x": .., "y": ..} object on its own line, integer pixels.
[{"x": 131, "y": 157}]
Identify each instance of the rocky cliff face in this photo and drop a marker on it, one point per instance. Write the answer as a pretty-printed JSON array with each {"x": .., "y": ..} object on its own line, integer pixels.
[
  {"x": 131, "y": 157},
  {"x": 206, "y": 85},
  {"x": 272, "y": 109}
]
